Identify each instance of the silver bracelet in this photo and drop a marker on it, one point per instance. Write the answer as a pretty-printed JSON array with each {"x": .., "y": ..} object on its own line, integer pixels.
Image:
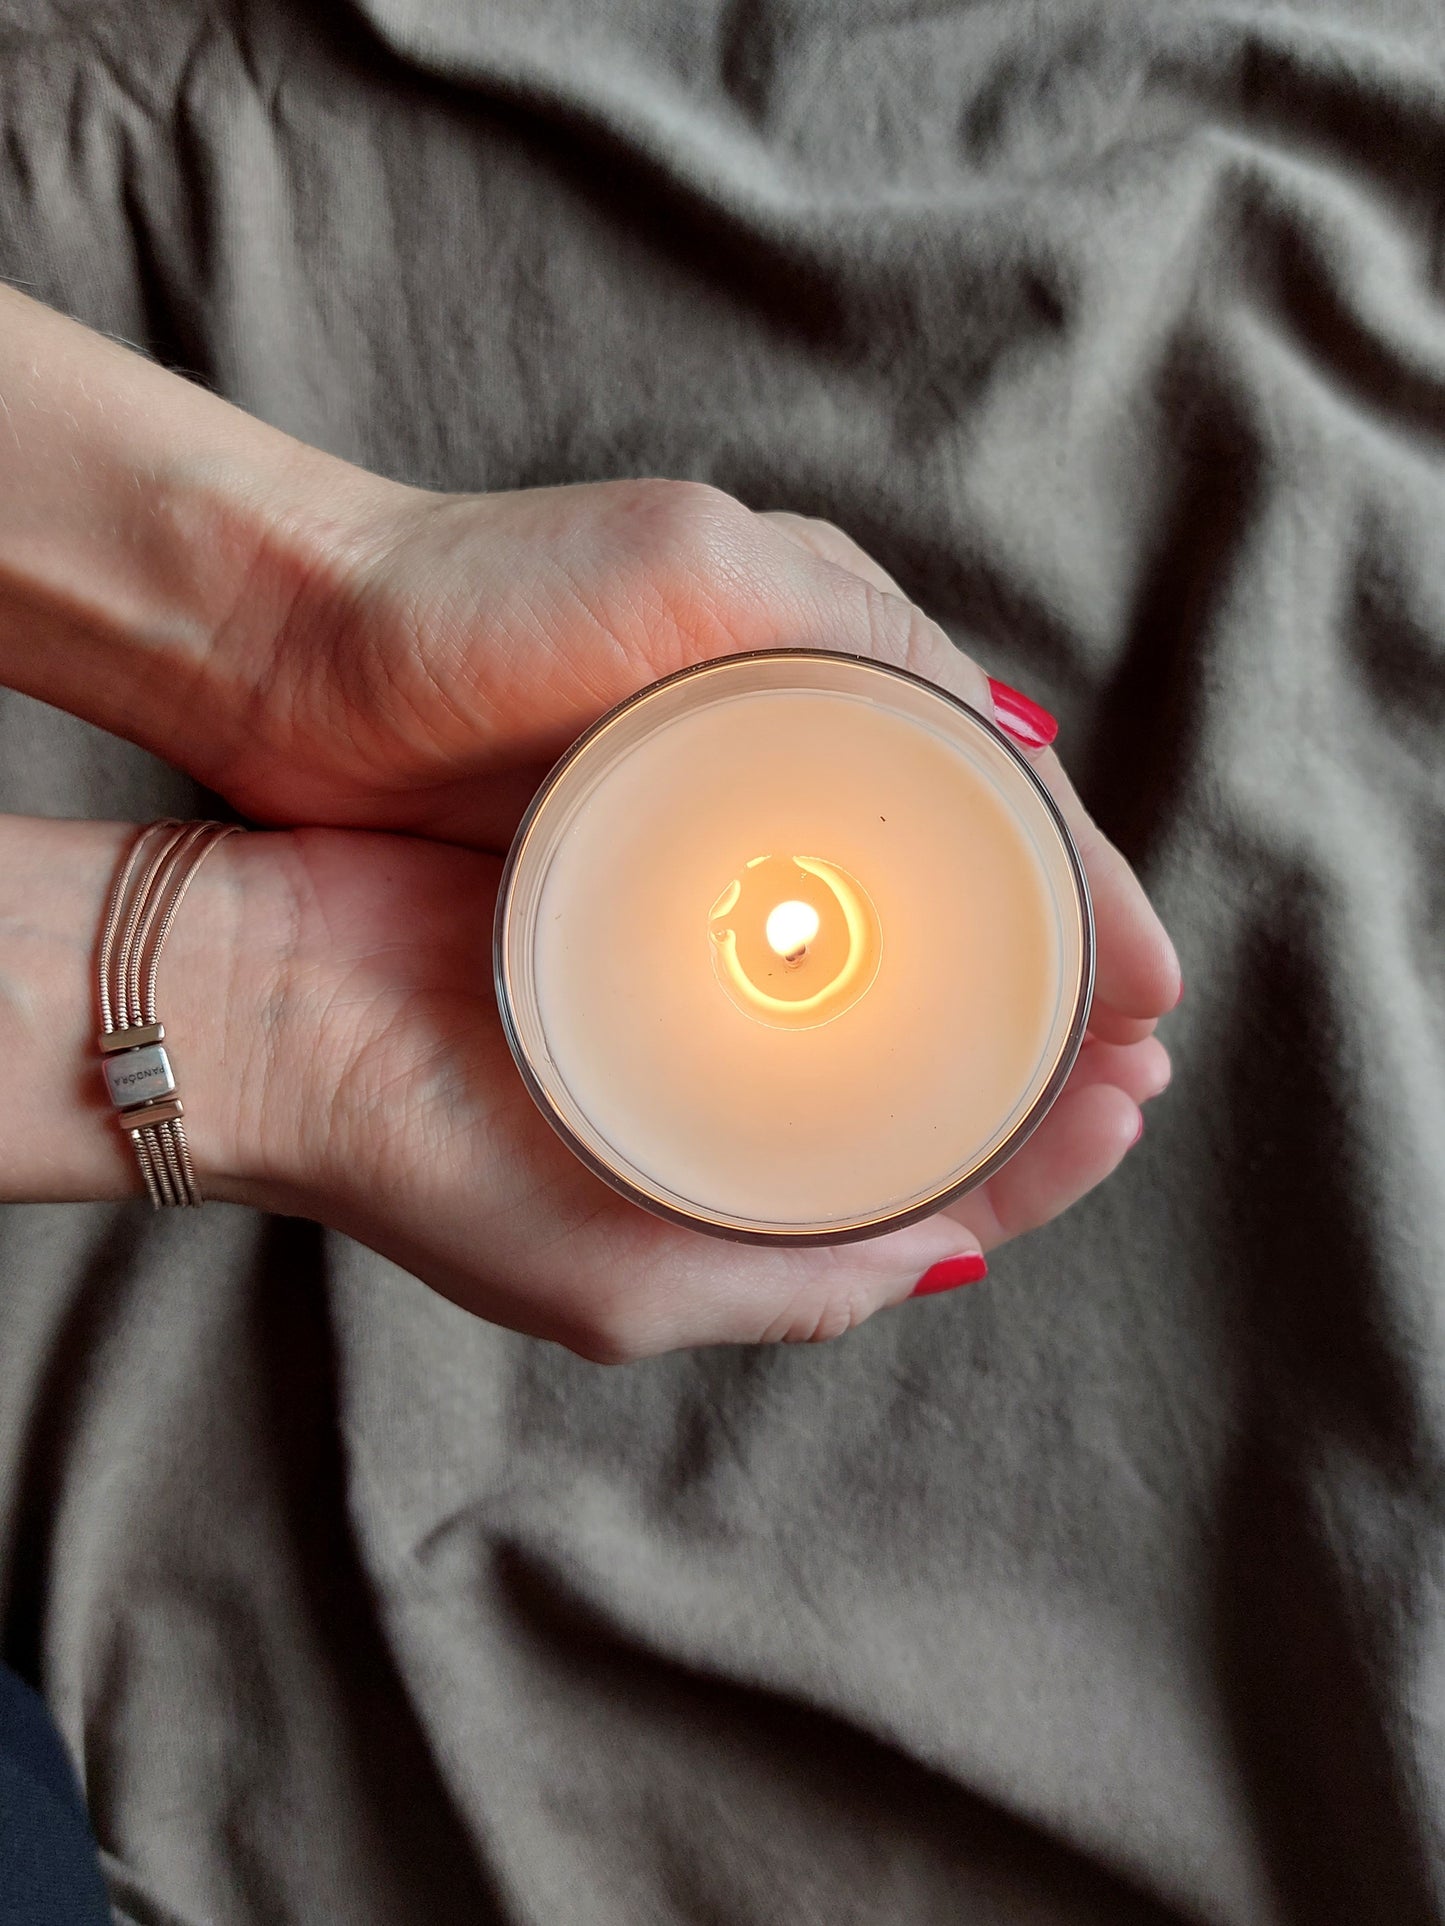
[{"x": 143, "y": 902}]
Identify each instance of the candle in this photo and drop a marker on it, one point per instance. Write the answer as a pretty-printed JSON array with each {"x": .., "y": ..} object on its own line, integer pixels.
[{"x": 794, "y": 946}]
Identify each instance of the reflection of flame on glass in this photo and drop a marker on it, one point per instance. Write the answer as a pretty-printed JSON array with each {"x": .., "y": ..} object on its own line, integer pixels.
[{"x": 795, "y": 940}]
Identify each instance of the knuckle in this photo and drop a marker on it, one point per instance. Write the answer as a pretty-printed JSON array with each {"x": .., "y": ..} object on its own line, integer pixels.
[
  {"x": 690, "y": 557},
  {"x": 900, "y": 633},
  {"x": 826, "y": 536},
  {"x": 839, "y": 1316},
  {"x": 600, "y": 1344},
  {"x": 689, "y": 518},
  {"x": 811, "y": 532},
  {"x": 833, "y": 545},
  {"x": 630, "y": 1329},
  {"x": 814, "y": 1320},
  {"x": 602, "y": 1330}
]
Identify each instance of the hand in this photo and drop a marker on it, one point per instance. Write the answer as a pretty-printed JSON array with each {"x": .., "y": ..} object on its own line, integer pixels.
[
  {"x": 556, "y": 604},
  {"x": 328, "y": 1007},
  {"x": 323, "y": 646},
  {"x": 387, "y": 1105},
  {"x": 437, "y": 659},
  {"x": 441, "y": 651}
]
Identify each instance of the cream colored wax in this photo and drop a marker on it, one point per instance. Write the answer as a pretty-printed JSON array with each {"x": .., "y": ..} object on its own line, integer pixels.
[{"x": 847, "y": 1116}]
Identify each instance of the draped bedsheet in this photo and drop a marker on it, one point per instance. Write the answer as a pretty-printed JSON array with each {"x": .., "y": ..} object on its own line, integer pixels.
[{"x": 1111, "y": 1590}]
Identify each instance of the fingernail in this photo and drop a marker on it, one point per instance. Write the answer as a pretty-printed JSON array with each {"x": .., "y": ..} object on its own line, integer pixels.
[
  {"x": 1024, "y": 720},
  {"x": 952, "y": 1272},
  {"x": 1139, "y": 1132},
  {"x": 1180, "y": 998}
]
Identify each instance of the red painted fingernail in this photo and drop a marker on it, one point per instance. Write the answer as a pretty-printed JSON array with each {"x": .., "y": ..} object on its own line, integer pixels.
[
  {"x": 1021, "y": 718},
  {"x": 948, "y": 1275}
]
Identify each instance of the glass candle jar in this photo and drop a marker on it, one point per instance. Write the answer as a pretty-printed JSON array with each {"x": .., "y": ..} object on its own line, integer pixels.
[{"x": 794, "y": 947}]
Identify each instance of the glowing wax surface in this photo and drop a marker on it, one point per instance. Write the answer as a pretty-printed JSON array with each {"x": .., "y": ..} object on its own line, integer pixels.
[{"x": 857, "y": 1115}]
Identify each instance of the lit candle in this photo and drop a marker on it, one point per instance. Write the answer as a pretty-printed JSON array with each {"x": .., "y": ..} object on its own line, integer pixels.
[{"x": 794, "y": 946}]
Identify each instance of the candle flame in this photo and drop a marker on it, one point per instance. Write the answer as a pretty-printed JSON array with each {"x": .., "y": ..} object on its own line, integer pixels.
[
  {"x": 810, "y": 957},
  {"x": 791, "y": 927}
]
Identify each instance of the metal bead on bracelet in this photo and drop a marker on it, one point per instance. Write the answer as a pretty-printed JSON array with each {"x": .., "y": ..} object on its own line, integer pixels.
[{"x": 143, "y": 902}]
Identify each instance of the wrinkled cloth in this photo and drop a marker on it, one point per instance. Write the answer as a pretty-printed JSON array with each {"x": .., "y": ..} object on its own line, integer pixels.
[{"x": 1109, "y": 1591}]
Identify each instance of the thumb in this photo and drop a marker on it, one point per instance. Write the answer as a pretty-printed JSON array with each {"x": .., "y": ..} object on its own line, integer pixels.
[
  {"x": 842, "y": 1287},
  {"x": 696, "y": 1290}
]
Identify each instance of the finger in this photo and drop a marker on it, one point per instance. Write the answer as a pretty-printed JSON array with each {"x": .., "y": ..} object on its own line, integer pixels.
[
  {"x": 679, "y": 1289},
  {"x": 1136, "y": 968},
  {"x": 682, "y": 1289},
  {"x": 1137, "y": 971},
  {"x": 944, "y": 662},
  {"x": 835, "y": 1290},
  {"x": 828, "y": 541},
  {"x": 1140, "y": 1069},
  {"x": 845, "y": 600},
  {"x": 1109, "y": 1028},
  {"x": 1079, "y": 1143}
]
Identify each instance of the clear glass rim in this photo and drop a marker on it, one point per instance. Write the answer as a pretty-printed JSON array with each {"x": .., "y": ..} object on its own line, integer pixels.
[{"x": 719, "y": 1226}]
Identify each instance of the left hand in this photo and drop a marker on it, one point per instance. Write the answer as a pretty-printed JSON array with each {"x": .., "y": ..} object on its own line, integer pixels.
[{"x": 377, "y": 1095}]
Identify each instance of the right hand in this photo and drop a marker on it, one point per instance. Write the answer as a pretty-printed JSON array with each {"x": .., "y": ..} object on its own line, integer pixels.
[{"x": 438, "y": 652}]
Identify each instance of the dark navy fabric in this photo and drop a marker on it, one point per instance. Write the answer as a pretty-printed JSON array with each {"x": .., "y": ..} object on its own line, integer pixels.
[{"x": 49, "y": 1866}]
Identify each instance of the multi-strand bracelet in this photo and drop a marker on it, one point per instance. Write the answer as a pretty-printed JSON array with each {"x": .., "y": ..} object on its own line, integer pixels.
[{"x": 143, "y": 902}]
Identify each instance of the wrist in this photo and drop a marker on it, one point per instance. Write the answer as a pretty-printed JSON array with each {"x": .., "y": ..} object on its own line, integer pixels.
[
  {"x": 153, "y": 538},
  {"x": 218, "y": 985},
  {"x": 230, "y": 1027}
]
